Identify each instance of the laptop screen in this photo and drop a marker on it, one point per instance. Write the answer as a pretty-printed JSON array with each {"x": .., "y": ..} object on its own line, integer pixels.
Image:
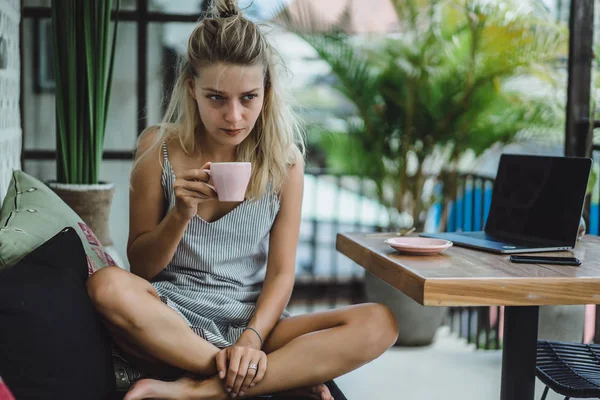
[{"x": 538, "y": 199}]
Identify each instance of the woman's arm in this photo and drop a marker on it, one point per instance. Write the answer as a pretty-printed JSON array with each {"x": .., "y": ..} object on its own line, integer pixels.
[
  {"x": 279, "y": 279},
  {"x": 152, "y": 238}
]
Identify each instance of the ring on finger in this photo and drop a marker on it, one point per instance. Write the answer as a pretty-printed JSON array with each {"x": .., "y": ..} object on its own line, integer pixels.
[{"x": 253, "y": 366}]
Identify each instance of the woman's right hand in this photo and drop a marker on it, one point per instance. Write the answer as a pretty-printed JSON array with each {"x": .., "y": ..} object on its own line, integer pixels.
[{"x": 191, "y": 188}]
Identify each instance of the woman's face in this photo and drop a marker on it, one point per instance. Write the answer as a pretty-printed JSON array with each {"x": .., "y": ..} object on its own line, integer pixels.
[{"x": 230, "y": 99}]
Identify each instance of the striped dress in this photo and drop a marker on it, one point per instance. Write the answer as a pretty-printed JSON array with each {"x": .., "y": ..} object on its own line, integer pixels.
[{"x": 216, "y": 274}]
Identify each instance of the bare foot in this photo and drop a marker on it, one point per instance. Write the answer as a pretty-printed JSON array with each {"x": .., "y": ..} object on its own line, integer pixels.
[
  {"x": 183, "y": 388},
  {"x": 320, "y": 392},
  {"x": 323, "y": 391},
  {"x": 154, "y": 389}
]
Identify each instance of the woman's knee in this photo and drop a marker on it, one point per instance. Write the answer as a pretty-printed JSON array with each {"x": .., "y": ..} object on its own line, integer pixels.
[
  {"x": 380, "y": 328},
  {"x": 108, "y": 287}
]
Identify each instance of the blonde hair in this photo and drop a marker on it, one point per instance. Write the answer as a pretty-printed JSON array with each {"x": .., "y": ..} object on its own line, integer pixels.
[{"x": 225, "y": 36}]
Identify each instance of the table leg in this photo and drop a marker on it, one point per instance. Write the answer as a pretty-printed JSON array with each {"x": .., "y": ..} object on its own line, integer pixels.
[{"x": 519, "y": 352}]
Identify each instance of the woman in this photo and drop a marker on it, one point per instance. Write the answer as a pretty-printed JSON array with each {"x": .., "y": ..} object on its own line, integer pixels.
[{"x": 210, "y": 280}]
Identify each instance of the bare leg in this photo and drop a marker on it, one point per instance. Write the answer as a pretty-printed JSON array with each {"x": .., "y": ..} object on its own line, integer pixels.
[
  {"x": 123, "y": 300},
  {"x": 307, "y": 350},
  {"x": 131, "y": 306}
]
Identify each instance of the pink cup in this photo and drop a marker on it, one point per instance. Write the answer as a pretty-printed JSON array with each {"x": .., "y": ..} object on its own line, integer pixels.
[{"x": 231, "y": 179}]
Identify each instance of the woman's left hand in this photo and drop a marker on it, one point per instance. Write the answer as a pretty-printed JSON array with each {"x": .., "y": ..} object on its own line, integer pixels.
[{"x": 241, "y": 367}]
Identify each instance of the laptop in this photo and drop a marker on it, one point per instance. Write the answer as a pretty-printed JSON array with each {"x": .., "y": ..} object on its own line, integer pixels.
[{"x": 536, "y": 206}]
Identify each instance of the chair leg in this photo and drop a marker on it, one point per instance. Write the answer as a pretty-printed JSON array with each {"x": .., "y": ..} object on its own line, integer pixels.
[{"x": 545, "y": 393}]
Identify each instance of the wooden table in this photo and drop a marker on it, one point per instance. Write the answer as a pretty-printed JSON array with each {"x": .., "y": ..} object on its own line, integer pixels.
[{"x": 465, "y": 277}]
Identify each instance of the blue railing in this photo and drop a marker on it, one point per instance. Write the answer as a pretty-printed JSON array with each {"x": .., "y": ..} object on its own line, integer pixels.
[{"x": 469, "y": 211}]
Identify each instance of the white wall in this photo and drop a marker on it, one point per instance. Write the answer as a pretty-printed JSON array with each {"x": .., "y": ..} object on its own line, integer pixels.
[{"x": 10, "y": 117}]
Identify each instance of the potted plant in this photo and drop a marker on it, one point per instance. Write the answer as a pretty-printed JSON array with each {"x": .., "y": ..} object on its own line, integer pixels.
[
  {"x": 424, "y": 97},
  {"x": 84, "y": 54},
  {"x": 434, "y": 91}
]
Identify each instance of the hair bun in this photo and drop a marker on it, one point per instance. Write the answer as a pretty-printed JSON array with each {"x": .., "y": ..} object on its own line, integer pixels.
[
  {"x": 227, "y": 8},
  {"x": 228, "y": 14}
]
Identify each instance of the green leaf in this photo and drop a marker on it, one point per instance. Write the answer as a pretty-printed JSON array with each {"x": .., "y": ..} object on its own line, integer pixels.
[{"x": 84, "y": 59}]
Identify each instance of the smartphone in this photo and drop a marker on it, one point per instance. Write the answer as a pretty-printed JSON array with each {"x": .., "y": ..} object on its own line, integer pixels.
[{"x": 545, "y": 260}]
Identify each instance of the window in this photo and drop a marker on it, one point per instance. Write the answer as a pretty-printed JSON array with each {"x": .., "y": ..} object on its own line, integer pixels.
[{"x": 43, "y": 56}]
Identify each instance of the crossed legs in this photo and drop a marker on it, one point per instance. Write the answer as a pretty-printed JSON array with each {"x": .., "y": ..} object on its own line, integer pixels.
[{"x": 302, "y": 351}]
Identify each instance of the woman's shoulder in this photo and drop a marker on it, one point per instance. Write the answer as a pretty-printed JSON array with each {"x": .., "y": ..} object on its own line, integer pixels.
[
  {"x": 160, "y": 140},
  {"x": 295, "y": 164},
  {"x": 148, "y": 163},
  {"x": 156, "y": 136},
  {"x": 296, "y": 157},
  {"x": 291, "y": 176},
  {"x": 295, "y": 174}
]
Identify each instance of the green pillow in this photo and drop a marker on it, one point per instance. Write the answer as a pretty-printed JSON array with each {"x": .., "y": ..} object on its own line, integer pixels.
[{"x": 31, "y": 214}]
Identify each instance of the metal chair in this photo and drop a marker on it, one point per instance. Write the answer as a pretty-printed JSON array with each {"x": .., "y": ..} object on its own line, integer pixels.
[{"x": 570, "y": 369}]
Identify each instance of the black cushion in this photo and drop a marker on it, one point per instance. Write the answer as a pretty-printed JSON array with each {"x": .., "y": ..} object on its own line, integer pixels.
[{"x": 52, "y": 342}]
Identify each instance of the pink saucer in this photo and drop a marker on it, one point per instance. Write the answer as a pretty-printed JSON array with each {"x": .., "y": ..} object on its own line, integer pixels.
[{"x": 418, "y": 245}]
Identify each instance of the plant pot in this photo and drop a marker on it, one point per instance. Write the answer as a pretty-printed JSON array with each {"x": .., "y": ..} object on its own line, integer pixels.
[
  {"x": 417, "y": 324},
  {"x": 91, "y": 202},
  {"x": 562, "y": 323}
]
